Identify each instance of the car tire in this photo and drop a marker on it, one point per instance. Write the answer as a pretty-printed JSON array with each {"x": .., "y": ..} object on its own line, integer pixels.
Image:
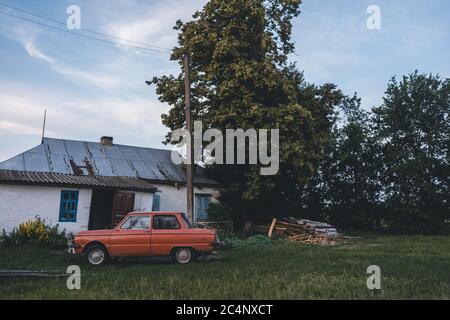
[
  {"x": 183, "y": 255},
  {"x": 97, "y": 255}
]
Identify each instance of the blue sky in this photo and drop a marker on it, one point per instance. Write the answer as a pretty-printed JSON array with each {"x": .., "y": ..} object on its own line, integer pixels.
[{"x": 91, "y": 89}]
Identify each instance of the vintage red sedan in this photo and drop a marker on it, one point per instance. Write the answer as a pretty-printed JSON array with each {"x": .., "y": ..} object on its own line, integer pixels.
[{"x": 143, "y": 234}]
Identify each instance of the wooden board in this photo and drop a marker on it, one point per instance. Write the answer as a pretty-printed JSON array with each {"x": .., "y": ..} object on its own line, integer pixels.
[{"x": 272, "y": 225}]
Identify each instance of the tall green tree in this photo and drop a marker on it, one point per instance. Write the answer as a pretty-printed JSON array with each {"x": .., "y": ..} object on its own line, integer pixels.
[
  {"x": 388, "y": 170},
  {"x": 345, "y": 190},
  {"x": 242, "y": 78},
  {"x": 413, "y": 131}
]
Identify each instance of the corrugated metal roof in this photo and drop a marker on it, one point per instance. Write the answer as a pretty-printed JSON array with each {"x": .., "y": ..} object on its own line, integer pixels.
[
  {"x": 91, "y": 158},
  {"x": 60, "y": 179}
]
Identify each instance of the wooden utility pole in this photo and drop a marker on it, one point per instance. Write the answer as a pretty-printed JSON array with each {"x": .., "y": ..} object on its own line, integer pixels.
[{"x": 189, "y": 148}]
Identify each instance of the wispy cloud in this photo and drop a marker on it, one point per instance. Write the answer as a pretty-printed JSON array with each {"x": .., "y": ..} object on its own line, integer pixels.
[
  {"x": 134, "y": 120},
  {"x": 153, "y": 24},
  {"x": 91, "y": 88},
  {"x": 75, "y": 74},
  {"x": 34, "y": 52},
  {"x": 28, "y": 37},
  {"x": 85, "y": 77}
]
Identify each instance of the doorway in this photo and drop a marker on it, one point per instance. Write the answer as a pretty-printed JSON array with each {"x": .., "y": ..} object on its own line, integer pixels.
[
  {"x": 108, "y": 207},
  {"x": 101, "y": 207}
]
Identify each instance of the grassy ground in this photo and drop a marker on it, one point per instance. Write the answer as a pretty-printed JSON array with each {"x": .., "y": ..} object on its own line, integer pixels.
[{"x": 412, "y": 267}]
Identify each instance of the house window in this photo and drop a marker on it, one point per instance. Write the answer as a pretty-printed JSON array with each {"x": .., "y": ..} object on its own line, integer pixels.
[
  {"x": 68, "y": 207},
  {"x": 156, "y": 202},
  {"x": 201, "y": 207}
]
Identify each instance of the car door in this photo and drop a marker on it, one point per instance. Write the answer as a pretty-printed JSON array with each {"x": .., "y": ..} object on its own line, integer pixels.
[
  {"x": 132, "y": 237},
  {"x": 167, "y": 231}
]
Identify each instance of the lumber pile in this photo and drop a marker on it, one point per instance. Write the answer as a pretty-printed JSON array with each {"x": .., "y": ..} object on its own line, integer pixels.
[{"x": 300, "y": 230}]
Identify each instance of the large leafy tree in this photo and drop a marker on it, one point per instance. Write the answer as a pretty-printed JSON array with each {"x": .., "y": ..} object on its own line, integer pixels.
[
  {"x": 413, "y": 132},
  {"x": 388, "y": 170},
  {"x": 242, "y": 78},
  {"x": 346, "y": 190}
]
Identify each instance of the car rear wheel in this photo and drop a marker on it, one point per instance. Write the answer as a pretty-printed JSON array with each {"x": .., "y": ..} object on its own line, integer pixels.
[
  {"x": 183, "y": 255},
  {"x": 97, "y": 255}
]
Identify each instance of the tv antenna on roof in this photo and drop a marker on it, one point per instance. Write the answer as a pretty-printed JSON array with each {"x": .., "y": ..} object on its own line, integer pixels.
[{"x": 43, "y": 126}]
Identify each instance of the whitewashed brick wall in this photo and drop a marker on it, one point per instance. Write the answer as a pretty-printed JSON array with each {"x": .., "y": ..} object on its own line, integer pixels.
[
  {"x": 143, "y": 201},
  {"x": 19, "y": 203},
  {"x": 174, "y": 198}
]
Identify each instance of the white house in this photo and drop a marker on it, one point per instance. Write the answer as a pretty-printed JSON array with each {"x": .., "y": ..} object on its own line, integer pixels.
[{"x": 92, "y": 185}]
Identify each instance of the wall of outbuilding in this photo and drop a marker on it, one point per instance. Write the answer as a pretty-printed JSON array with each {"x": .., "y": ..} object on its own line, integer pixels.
[
  {"x": 173, "y": 198},
  {"x": 143, "y": 201},
  {"x": 19, "y": 203}
]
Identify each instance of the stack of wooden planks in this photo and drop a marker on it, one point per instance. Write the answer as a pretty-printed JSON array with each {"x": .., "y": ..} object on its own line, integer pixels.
[{"x": 300, "y": 230}]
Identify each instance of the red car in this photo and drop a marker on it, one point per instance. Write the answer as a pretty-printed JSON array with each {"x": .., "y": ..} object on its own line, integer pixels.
[{"x": 143, "y": 234}]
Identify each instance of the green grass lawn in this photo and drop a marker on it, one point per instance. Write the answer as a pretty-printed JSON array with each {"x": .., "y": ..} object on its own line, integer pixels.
[{"x": 412, "y": 267}]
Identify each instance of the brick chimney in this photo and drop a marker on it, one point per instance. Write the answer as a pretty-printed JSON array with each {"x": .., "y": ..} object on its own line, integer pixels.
[{"x": 106, "y": 141}]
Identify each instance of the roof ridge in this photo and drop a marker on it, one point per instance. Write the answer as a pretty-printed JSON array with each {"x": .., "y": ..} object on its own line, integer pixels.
[{"x": 115, "y": 144}]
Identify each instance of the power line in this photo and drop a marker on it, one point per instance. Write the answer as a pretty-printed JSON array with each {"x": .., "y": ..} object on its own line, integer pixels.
[
  {"x": 84, "y": 29},
  {"x": 83, "y": 35},
  {"x": 142, "y": 45}
]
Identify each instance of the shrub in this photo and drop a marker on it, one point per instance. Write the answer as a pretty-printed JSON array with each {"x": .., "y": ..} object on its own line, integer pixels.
[
  {"x": 217, "y": 211},
  {"x": 253, "y": 241},
  {"x": 35, "y": 231}
]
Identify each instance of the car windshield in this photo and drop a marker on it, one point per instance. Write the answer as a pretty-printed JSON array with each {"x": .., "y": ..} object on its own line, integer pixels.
[{"x": 187, "y": 222}]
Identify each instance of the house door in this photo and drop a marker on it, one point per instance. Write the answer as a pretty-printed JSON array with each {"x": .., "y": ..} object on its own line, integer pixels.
[{"x": 122, "y": 205}]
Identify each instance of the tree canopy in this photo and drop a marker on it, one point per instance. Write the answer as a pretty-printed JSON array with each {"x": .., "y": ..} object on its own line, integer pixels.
[
  {"x": 412, "y": 131},
  {"x": 384, "y": 170},
  {"x": 242, "y": 78},
  {"x": 388, "y": 170}
]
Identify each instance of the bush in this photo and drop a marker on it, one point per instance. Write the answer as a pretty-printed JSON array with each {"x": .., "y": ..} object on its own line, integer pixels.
[
  {"x": 417, "y": 221},
  {"x": 253, "y": 241},
  {"x": 218, "y": 211},
  {"x": 35, "y": 231}
]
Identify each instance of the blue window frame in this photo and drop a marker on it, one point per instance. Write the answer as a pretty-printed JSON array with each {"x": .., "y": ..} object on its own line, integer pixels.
[
  {"x": 68, "y": 207},
  {"x": 201, "y": 207},
  {"x": 156, "y": 202}
]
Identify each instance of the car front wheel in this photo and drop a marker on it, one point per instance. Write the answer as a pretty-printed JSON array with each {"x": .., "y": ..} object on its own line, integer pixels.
[
  {"x": 183, "y": 255},
  {"x": 97, "y": 255}
]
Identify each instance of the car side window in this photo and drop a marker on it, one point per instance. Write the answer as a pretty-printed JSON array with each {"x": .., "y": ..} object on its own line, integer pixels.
[
  {"x": 165, "y": 222},
  {"x": 136, "y": 223}
]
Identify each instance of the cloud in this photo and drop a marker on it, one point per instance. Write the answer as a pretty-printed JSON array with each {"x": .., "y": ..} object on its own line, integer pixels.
[
  {"x": 13, "y": 127},
  {"x": 125, "y": 68},
  {"x": 36, "y": 53},
  {"x": 134, "y": 120},
  {"x": 75, "y": 74},
  {"x": 153, "y": 24},
  {"x": 84, "y": 77}
]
